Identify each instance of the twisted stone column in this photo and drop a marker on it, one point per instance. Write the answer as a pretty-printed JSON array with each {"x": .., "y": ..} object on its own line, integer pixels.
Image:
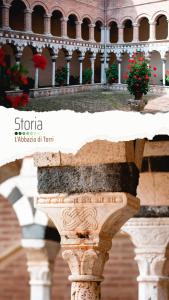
[{"x": 89, "y": 196}]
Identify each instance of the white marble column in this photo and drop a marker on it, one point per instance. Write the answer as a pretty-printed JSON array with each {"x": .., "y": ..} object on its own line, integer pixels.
[
  {"x": 68, "y": 59},
  {"x": 151, "y": 237},
  {"x": 103, "y": 35},
  {"x": 64, "y": 27},
  {"x": 47, "y": 24},
  {"x": 102, "y": 69},
  {"x": 91, "y": 32},
  {"x": 28, "y": 20},
  {"x": 36, "y": 78},
  {"x": 81, "y": 59},
  {"x": 121, "y": 34},
  {"x": 119, "y": 71},
  {"x": 163, "y": 70},
  {"x": 5, "y": 16},
  {"x": 152, "y": 31},
  {"x": 92, "y": 60},
  {"x": 54, "y": 57},
  {"x": 78, "y": 30},
  {"x": 135, "y": 33}
]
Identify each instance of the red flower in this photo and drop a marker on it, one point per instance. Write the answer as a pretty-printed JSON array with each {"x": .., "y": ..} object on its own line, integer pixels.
[
  {"x": 128, "y": 66},
  {"x": 24, "y": 99},
  {"x": 147, "y": 77},
  {"x": 155, "y": 75},
  {"x": 139, "y": 78},
  {"x": 150, "y": 66},
  {"x": 2, "y": 58},
  {"x": 40, "y": 61},
  {"x": 8, "y": 72},
  {"x": 155, "y": 68},
  {"x": 135, "y": 76},
  {"x": 24, "y": 79},
  {"x": 18, "y": 100}
]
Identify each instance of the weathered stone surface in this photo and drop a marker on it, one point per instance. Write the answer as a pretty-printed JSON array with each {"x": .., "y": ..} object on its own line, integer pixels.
[
  {"x": 120, "y": 177},
  {"x": 155, "y": 164},
  {"x": 153, "y": 212}
]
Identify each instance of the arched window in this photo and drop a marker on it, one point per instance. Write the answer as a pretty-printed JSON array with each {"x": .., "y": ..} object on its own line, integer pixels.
[
  {"x": 71, "y": 26},
  {"x": 85, "y": 29},
  {"x": 38, "y": 19},
  {"x": 16, "y": 15},
  {"x": 56, "y": 23},
  {"x": 144, "y": 30},
  {"x": 97, "y": 31},
  {"x": 128, "y": 31},
  {"x": 161, "y": 27},
  {"x": 1, "y": 3},
  {"x": 113, "y": 32}
]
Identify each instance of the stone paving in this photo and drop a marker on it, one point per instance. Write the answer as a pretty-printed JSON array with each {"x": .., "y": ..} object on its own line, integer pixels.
[{"x": 159, "y": 104}]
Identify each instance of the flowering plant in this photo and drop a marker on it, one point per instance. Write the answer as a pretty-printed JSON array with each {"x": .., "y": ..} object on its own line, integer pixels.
[
  {"x": 16, "y": 77},
  {"x": 112, "y": 74},
  {"x": 139, "y": 75}
]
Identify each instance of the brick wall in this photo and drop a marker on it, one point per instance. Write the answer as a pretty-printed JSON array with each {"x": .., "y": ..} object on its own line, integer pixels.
[{"x": 120, "y": 272}]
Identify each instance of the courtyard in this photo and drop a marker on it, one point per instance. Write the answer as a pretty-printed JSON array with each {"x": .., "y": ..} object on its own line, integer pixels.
[{"x": 92, "y": 101}]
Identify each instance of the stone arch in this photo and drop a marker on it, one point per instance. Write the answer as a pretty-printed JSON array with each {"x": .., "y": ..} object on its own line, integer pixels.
[
  {"x": 85, "y": 28},
  {"x": 141, "y": 16},
  {"x": 159, "y": 13},
  {"x": 75, "y": 68},
  {"x": 26, "y": 2},
  {"x": 144, "y": 29},
  {"x": 38, "y": 15},
  {"x": 112, "y": 58},
  {"x": 61, "y": 61},
  {"x": 87, "y": 17},
  {"x": 128, "y": 30},
  {"x": 56, "y": 17},
  {"x": 156, "y": 61},
  {"x": 10, "y": 51},
  {"x": 45, "y": 76},
  {"x": 58, "y": 8},
  {"x": 71, "y": 25},
  {"x": 97, "y": 31},
  {"x": 16, "y": 15},
  {"x": 26, "y": 61},
  {"x": 40, "y": 3},
  {"x": 161, "y": 27},
  {"x": 124, "y": 65},
  {"x": 98, "y": 19},
  {"x": 113, "y": 31},
  {"x": 72, "y": 12}
]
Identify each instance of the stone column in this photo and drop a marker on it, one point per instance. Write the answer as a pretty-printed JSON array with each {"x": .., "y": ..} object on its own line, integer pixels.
[
  {"x": 18, "y": 56},
  {"x": 40, "y": 262},
  {"x": 163, "y": 70},
  {"x": 81, "y": 59},
  {"x": 168, "y": 30},
  {"x": 78, "y": 30},
  {"x": 64, "y": 28},
  {"x": 108, "y": 35},
  {"x": 47, "y": 24},
  {"x": 5, "y": 16},
  {"x": 92, "y": 60},
  {"x": 135, "y": 33},
  {"x": 54, "y": 57},
  {"x": 28, "y": 20},
  {"x": 88, "y": 196},
  {"x": 152, "y": 31},
  {"x": 150, "y": 236},
  {"x": 121, "y": 34},
  {"x": 68, "y": 59},
  {"x": 119, "y": 71},
  {"x": 36, "y": 78},
  {"x": 103, "y": 33},
  {"x": 103, "y": 75},
  {"x": 91, "y": 32}
]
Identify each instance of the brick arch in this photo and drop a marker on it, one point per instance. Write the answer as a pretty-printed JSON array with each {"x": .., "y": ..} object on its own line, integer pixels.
[
  {"x": 87, "y": 17},
  {"x": 113, "y": 20},
  {"x": 124, "y": 19},
  {"x": 140, "y": 17},
  {"x": 99, "y": 19},
  {"x": 27, "y": 4},
  {"x": 40, "y": 3},
  {"x": 58, "y": 8},
  {"x": 158, "y": 14},
  {"x": 75, "y": 14}
]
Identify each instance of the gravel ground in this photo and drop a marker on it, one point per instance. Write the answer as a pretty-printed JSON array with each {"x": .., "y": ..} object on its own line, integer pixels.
[{"x": 94, "y": 101}]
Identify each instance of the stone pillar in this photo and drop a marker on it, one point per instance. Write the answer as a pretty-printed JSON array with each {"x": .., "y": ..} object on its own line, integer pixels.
[
  {"x": 119, "y": 71},
  {"x": 121, "y": 34},
  {"x": 5, "y": 16},
  {"x": 108, "y": 35},
  {"x": 135, "y": 33},
  {"x": 47, "y": 24},
  {"x": 164, "y": 70},
  {"x": 152, "y": 31},
  {"x": 18, "y": 56},
  {"x": 150, "y": 236},
  {"x": 168, "y": 30},
  {"x": 81, "y": 59},
  {"x": 78, "y": 30},
  {"x": 88, "y": 196},
  {"x": 103, "y": 33},
  {"x": 103, "y": 75},
  {"x": 54, "y": 57},
  {"x": 91, "y": 32},
  {"x": 36, "y": 78},
  {"x": 28, "y": 20},
  {"x": 68, "y": 59},
  {"x": 41, "y": 255},
  {"x": 92, "y": 60},
  {"x": 64, "y": 28}
]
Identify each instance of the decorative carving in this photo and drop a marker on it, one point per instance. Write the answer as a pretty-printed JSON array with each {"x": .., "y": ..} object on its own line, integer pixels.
[{"x": 79, "y": 218}]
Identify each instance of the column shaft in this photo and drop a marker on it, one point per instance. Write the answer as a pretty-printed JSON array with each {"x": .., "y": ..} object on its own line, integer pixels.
[
  {"x": 92, "y": 59},
  {"x": 47, "y": 24},
  {"x": 121, "y": 31},
  {"x": 91, "y": 32},
  {"x": 85, "y": 290},
  {"x": 78, "y": 30},
  {"x": 28, "y": 20},
  {"x": 64, "y": 27},
  {"x": 53, "y": 70},
  {"x": 164, "y": 70},
  {"x": 81, "y": 70},
  {"x": 119, "y": 72},
  {"x": 36, "y": 78},
  {"x": 152, "y": 31},
  {"x": 135, "y": 33},
  {"x": 5, "y": 16},
  {"x": 68, "y": 59}
]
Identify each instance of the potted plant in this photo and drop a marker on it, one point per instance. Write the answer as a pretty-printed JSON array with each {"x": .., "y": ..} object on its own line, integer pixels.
[
  {"x": 112, "y": 74},
  {"x": 87, "y": 76},
  {"x": 139, "y": 75},
  {"x": 15, "y": 78},
  {"x": 61, "y": 76}
]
